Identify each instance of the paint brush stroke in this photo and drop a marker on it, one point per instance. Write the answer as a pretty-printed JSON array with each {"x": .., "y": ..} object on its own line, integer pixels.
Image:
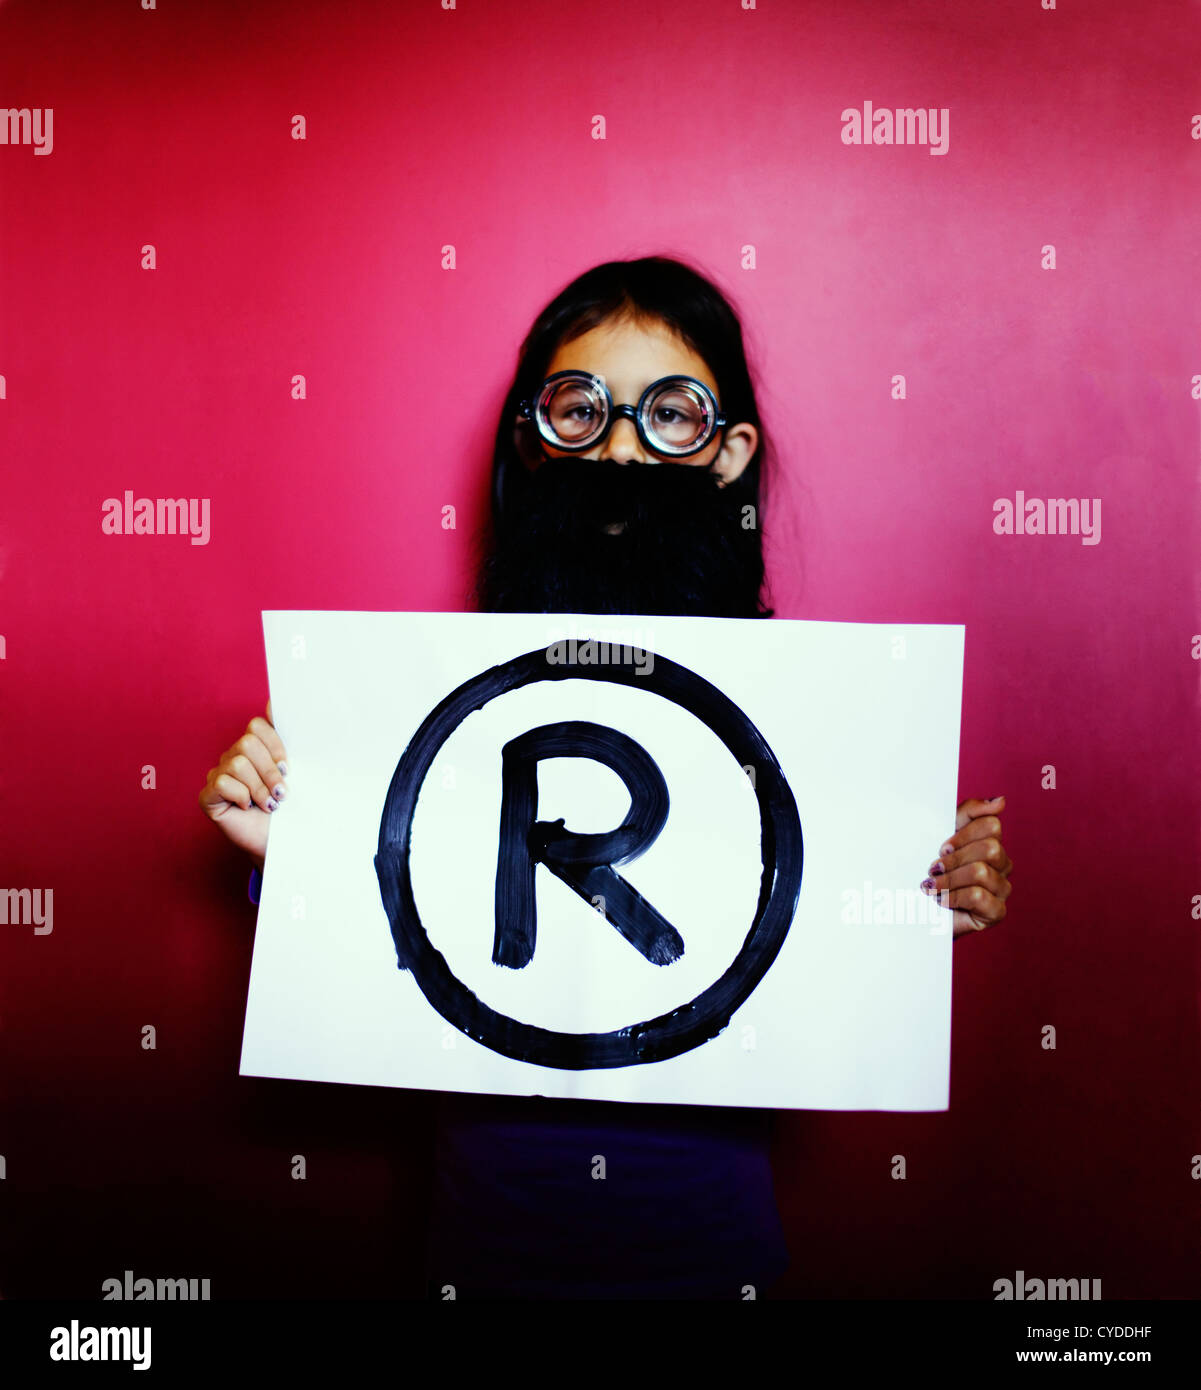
[{"x": 583, "y": 862}]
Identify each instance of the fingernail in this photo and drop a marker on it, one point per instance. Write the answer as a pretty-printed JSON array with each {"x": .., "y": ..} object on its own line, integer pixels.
[
  {"x": 278, "y": 792},
  {"x": 938, "y": 867},
  {"x": 283, "y": 769},
  {"x": 998, "y": 798},
  {"x": 927, "y": 885},
  {"x": 946, "y": 849},
  {"x": 272, "y": 804}
]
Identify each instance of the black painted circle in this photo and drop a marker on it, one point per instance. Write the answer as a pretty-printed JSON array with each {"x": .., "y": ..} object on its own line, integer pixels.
[{"x": 669, "y": 1034}]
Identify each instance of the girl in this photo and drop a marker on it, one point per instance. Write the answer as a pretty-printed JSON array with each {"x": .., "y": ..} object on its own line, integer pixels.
[{"x": 627, "y": 455}]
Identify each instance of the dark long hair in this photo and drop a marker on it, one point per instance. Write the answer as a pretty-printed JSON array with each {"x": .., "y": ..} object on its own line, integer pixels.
[{"x": 650, "y": 288}]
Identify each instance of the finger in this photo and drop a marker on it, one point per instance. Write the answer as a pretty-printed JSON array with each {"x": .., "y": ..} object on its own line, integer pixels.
[
  {"x": 969, "y": 810},
  {"x": 269, "y": 718},
  {"x": 223, "y": 791},
  {"x": 271, "y": 741},
  {"x": 983, "y": 907},
  {"x": 243, "y": 762},
  {"x": 978, "y": 828},
  {"x": 990, "y": 850},
  {"x": 976, "y": 875},
  {"x": 265, "y": 766}
]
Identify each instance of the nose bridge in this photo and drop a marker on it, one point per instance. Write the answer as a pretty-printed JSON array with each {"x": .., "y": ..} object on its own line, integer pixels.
[{"x": 622, "y": 441}]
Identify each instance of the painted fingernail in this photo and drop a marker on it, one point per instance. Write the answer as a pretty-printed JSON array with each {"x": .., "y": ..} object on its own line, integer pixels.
[
  {"x": 278, "y": 792},
  {"x": 938, "y": 867},
  {"x": 946, "y": 849},
  {"x": 927, "y": 885},
  {"x": 283, "y": 769},
  {"x": 272, "y": 804}
]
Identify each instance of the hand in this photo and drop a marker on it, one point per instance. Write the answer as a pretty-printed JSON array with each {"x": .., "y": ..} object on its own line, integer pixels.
[
  {"x": 246, "y": 786},
  {"x": 974, "y": 867}
]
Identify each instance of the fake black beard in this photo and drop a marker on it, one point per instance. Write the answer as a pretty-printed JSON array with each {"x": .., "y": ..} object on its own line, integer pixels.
[{"x": 685, "y": 545}]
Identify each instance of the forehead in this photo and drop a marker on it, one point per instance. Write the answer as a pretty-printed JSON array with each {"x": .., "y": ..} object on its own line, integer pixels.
[{"x": 630, "y": 355}]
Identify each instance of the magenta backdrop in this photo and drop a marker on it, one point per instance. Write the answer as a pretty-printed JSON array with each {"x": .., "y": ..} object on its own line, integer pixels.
[{"x": 473, "y": 128}]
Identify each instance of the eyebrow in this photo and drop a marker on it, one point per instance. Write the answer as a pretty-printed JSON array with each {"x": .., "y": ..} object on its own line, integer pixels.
[{"x": 586, "y": 371}]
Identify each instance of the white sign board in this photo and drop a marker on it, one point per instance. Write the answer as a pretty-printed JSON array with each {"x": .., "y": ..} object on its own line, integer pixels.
[{"x": 634, "y": 859}]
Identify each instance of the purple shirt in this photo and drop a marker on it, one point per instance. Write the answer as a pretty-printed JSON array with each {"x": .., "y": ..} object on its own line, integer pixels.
[
  {"x": 543, "y": 1198},
  {"x": 683, "y": 1205}
]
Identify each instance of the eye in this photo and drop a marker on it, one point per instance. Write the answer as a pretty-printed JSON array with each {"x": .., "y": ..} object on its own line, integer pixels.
[
  {"x": 572, "y": 417},
  {"x": 573, "y": 411},
  {"x": 678, "y": 416}
]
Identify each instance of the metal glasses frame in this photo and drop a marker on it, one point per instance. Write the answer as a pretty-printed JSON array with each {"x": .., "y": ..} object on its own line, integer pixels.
[{"x": 535, "y": 409}]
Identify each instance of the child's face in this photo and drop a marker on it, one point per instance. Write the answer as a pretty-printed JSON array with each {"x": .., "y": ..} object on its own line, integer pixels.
[{"x": 629, "y": 356}]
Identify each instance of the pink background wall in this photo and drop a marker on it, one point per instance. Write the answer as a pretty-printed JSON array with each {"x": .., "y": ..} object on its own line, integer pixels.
[{"x": 322, "y": 257}]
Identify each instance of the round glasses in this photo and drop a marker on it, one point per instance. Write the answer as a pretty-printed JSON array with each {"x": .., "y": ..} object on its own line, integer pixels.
[{"x": 675, "y": 416}]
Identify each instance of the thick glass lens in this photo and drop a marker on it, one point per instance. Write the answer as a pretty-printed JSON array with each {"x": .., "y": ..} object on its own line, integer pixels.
[
  {"x": 574, "y": 410},
  {"x": 678, "y": 415}
]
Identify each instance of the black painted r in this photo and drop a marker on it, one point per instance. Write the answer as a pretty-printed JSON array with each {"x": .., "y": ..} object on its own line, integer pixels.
[{"x": 584, "y": 862}]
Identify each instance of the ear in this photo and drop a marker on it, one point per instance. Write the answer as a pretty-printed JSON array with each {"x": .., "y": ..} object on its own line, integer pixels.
[{"x": 737, "y": 449}]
